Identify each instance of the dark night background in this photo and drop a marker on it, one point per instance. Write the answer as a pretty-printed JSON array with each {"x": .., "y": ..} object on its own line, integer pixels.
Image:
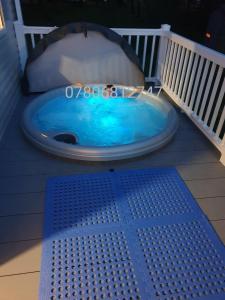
[{"x": 187, "y": 17}]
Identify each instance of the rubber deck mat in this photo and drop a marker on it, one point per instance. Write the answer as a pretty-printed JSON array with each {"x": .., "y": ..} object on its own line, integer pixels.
[{"x": 130, "y": 235}]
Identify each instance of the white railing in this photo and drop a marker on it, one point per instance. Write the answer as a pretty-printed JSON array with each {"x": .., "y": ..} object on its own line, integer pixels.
[
  {"x": 194, "y": 77},
  {"x": 145, "y": 43},
  {"x": 191, "y": 74}
]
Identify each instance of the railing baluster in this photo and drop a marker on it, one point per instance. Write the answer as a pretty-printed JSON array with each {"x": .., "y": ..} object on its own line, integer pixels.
[
  {"x": 129, "y": 39},
  {"x": 41, "y": 36},
  {"x": 213, "y": 95},
  {"x": 169, "y": 62},
  {"x": 194, "y": 92},
  {"x": 191, "y": 81},
  {"x": 144, "y": 52},
  {"x": 187, "y": 76},
  {"x": 32, "y": 40},
  {"x": 217, "y": 108},
  {"x": 184, "y": 68},
  {"x": 137, "y": 44},
  {"x": 221, "y": 122},
  {"x": 177, "y": 78},
  {"x": 200, "y": 91},
  {"x": 175, "y": 68},
  {"x": 206, "y": 94},
  {"x": 172, "y": 65},
  {"x": 152, "y": 56},
  {"x": 165, "y": 69}
]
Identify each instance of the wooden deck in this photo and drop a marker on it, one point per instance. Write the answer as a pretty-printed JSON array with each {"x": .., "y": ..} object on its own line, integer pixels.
[{"x": 24, "y": 171}]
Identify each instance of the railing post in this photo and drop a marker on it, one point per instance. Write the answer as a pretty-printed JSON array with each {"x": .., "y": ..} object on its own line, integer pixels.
[
  {"x": 222, "y": 159},
  {"x": 19, "y": 11},
  {"x": 162, "y": 50},
  {"x": 21, "y": 41}
]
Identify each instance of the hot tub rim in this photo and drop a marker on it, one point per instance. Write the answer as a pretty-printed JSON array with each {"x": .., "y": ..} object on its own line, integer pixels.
[{"x": 102, "y": 153}]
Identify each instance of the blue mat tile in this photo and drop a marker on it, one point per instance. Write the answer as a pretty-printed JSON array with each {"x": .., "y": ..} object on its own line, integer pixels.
[{"x": 132, "y": 235}]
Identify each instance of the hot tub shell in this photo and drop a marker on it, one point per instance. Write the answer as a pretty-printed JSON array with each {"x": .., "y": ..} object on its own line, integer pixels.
[{"x": 77, "y": 152}]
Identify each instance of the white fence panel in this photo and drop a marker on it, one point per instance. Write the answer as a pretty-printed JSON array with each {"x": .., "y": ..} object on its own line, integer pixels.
[{"x": 200, "y": 85}]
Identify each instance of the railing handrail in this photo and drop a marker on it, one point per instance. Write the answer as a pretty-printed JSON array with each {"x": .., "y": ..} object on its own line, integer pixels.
[
  {"x": 38, "y": 29},
  {"x": 210, "y": 54},
  {"x": 122, "y": 31}
]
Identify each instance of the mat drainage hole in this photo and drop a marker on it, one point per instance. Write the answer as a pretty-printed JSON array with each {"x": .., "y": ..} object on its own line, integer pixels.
[{"x": 111, "y": 170}]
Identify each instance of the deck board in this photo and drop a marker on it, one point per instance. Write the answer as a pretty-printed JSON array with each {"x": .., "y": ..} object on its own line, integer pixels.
[
  {"x": 214, "y": 208},
  {"x": 23, "y": 184},
  {"x": 20, "y": 287},
  {"x": 20, "y": 228},
  {"x": 207, "y": 187},
  {"x": 20, "y": 204},
  {"x": 25, "y": 169},
  {"x": 27, "y": 257},
  {"x": 203, "y": 171},
  {"x": 219, "y": 226}
]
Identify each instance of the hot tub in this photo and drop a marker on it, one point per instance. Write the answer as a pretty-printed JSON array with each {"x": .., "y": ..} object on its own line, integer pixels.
[{"x": 99, "y": 124}]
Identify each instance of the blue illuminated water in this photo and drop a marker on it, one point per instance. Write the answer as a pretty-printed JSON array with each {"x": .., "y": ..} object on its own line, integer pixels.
[{"x": 99, "y": 121}]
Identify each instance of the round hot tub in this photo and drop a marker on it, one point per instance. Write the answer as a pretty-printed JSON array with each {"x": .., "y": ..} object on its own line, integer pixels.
[{"x": 99, "y": 123}]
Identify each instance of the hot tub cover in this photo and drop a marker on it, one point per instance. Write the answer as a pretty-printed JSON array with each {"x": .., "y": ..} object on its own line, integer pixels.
[{"x": 81, "y": 53}]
